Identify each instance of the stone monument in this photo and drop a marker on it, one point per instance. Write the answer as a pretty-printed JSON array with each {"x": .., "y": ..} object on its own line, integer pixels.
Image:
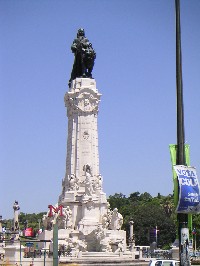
[
  {"x": 14, "y": 249},
  {"x": 16, "y": 208},
  {"x": 85, "y": 221}
]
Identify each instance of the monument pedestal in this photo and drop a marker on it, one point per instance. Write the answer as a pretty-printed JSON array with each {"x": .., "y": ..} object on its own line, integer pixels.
[
  {"x": 14, "y": 253},
  {"x": 87, "y": 223}
]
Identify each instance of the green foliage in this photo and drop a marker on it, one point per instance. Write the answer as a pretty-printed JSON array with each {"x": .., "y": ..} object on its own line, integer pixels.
[
  {"x": 117, "y": 201},
  {"x": 147, "y": 212},
  {"x": 30, "y": 220},
  {"x": 26, "y": 220}
]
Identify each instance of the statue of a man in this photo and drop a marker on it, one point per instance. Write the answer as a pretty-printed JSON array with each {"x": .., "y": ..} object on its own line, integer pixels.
[
  {"x": 88, "y": 181},
  {"x": 84, "y": 56}
]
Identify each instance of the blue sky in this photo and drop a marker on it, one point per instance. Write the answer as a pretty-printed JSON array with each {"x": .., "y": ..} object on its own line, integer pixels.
[{"x": 135, "y": 71}]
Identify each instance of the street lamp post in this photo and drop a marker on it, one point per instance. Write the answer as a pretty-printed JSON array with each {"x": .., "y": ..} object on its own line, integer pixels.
[
  {"x": 1, "y": 233},
  {"x": 25, "y": 224},
  {"x": 180, "y": 158},
  {"x": 39, "y": 221},
  {"x": 0, "y": 223},
  {"x": 156, "y": 236},
  {"x": 55, "y": 244}
]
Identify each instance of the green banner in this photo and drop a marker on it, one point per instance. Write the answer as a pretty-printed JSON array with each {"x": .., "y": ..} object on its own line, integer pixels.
[{"x": 173, "y": 151}]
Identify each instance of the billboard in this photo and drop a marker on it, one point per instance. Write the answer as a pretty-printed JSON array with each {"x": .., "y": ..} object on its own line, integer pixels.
[
  {"x": 28, "y": 231},
  {"x": 189, "y": 191}
]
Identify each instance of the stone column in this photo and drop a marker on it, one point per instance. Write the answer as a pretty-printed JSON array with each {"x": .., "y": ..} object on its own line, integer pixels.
[
  {"x": 14, "y": 251},
  {"x": 82, "y": 102},
  {"x": 16, "y": 215},
  {"x": 131, "y": 237}
]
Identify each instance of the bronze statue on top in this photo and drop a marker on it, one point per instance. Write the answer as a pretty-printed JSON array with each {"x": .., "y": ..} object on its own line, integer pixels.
[{"x": 84, "y": 57}]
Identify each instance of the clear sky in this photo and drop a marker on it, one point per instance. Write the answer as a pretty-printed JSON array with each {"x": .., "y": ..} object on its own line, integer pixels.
[{"x": 135, "y": 71}]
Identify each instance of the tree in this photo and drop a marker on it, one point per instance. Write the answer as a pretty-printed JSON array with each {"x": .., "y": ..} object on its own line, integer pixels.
[
  {"x": 30, "y": 220},
  {"x": 147, "y": 213},
  {"x": 118, "y": 200}
]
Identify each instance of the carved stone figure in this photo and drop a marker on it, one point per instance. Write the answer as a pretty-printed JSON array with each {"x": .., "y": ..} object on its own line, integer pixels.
[
  {"x": 99, "y": 233},
  {"x": 47, "y": 221},
  {"x": 81, "y": 245},
  {"x": 120, "y": 247},
  {"x": 73, "y": 182},
  {"x": 68, "y": 218},
  {"x": 88, "y": 181},
  {"x": 106, "y": 219},
  {"x": 116, "y": 220},
  {"x": 90, "y": 203},
  {"x": 105, "y": 245},
  {"x": 76, "y": 245},
  {"x": 98, "y": 182},
  {"x": 16, "y": 206},
  {"x": 84, "y": 56}
]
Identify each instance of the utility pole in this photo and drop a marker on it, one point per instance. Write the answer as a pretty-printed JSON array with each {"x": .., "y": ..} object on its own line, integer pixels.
[
  {"x": 55, "y": 244},
  {"x": 180, "y": 159}
]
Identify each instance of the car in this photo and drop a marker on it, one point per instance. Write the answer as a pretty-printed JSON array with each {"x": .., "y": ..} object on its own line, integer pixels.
[{"x": 160, "y": 262}]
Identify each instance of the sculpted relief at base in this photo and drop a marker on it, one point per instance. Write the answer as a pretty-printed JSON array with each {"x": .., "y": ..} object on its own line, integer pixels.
[{"x": 64, "y": 219}]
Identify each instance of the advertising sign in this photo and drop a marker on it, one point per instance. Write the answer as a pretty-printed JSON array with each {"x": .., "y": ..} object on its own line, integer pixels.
[
  {"x": 189, "y": 191},
  {"x": 28, "y": 231},
  {"x": 55, "y": 209}
]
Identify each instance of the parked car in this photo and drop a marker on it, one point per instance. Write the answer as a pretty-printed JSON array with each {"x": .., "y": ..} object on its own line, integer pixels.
[{"x": 160, "y": 262}]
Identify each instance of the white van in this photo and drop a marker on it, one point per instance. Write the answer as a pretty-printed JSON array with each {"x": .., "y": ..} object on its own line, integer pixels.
[{"x": 160, "y": 262}]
